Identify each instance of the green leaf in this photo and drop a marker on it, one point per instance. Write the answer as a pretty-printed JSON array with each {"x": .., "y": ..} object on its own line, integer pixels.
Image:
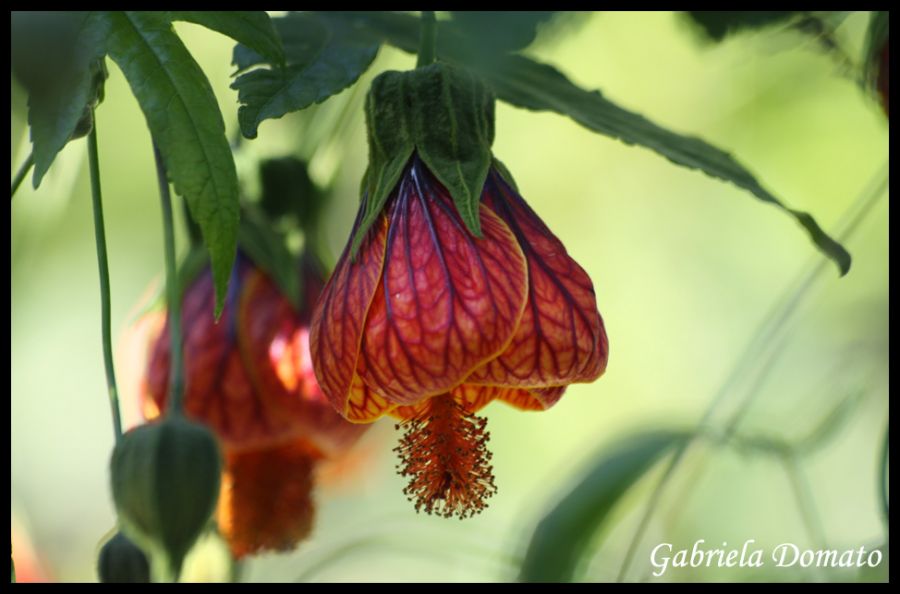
[
  {"x": 252, "y": 28},
  {"x": 288, "y": 191},
  {"x": 320, "y": 71},
  {"x": 563, "y": 535},
  {"x": 302, "y": 38},
  {"x": 186, "y": 125},
  {"x": 268, "y": 251},
  {"x": 532, "y": 85},
  {"x": 497, "y": 31},
  {"x": 57, "y": 57},
  {"x": 876, "y": 37},
  {"x": 719, "y": 24}
]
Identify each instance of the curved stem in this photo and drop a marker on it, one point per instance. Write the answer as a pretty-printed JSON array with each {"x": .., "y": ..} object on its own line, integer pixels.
[
  {"x": 103, "y": 265},
  {"x": 173, "y": 302},
  {"x": 22, "y": 173},
  {"x": 428, "y": 39}
]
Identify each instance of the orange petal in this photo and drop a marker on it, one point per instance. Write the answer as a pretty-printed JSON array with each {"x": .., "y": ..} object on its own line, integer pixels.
[
  {"x": 474, "y": 397},
  {"x": 561, "y": 338},
  {"x": 337, "y": 323},
  {"x": 447, "y": 301},
  {"x": 265, "y": 501},
  {"x": 364, "y": 405}
]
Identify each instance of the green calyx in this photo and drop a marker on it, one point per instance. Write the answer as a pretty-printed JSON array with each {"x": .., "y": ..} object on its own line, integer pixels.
[
  {"x": 446, "y": 116},
  {"x": 122, "y": 562},
  {"x": 165, "y": 484}
]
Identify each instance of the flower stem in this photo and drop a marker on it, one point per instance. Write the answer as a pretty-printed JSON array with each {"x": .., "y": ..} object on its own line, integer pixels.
[
  {"x": 428, "y": 39},
  {"x": 173, "y": 302},
  {"x": 883, "y": 477},
  {"x": 22, "y": 173},
  {"x": 103, "y": 265}
]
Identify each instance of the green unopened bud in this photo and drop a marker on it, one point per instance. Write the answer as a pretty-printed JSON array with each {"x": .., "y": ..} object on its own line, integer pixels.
[
  {"x": 122, "y": 562},
  {"x": 165, "y": 484},
  {"x": 444, "y": 114}
]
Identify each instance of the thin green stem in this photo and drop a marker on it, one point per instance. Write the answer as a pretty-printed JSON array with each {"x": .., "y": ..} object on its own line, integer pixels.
[
  {"x": 428, "y": 39},
  {"x": 22, "y": 173},
  {"x": 806, "y": 504},
  {"x": 173, "y": 301},
  {"x": 103, "y": 265},
  {"x": 235, "y": 570},
  {"x": 883, "y": 477}
]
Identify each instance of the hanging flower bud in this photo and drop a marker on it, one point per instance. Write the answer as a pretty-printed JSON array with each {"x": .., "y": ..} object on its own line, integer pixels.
[
  {"x": 249, "y": 378},
  {"x": 451, "y": 292},
  {"x": 165, "y": 482},
  {"x": 122, "y": 562}
]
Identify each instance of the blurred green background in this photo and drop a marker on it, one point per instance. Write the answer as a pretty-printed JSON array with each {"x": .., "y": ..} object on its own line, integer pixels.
[{"x": 685, "y": 268}]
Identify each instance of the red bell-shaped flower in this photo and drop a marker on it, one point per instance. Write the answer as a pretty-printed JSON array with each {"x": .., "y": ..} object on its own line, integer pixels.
[
  {"x": 249, "y": 377},
  {"x": 429, "y": 323}
]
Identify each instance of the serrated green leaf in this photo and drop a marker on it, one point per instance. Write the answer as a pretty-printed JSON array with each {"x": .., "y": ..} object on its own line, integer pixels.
[
  {"x": 302, "y": 38},
  {"x": 53, "y": 56},
  {"x": 252, "y": 28},
  {"x": 186, "y": 125},
  {"x": 272, "y": 93},
  {"x": 564, "y": 534},
  {"x": 532, "y": 85}
]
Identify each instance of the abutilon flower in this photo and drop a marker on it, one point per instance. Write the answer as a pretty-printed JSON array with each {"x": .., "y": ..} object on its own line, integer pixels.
[
  {"x": 452, "y": 300},
  {"x": 249, "y": 377}
]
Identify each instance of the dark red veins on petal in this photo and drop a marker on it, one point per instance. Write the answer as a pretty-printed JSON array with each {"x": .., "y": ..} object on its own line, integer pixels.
[
  {"x": 561, "y": 338},
  {"x": 447, "y": 301},
  {"x": 218, "y": 389},
  {"x": 340, "y": 313}
]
